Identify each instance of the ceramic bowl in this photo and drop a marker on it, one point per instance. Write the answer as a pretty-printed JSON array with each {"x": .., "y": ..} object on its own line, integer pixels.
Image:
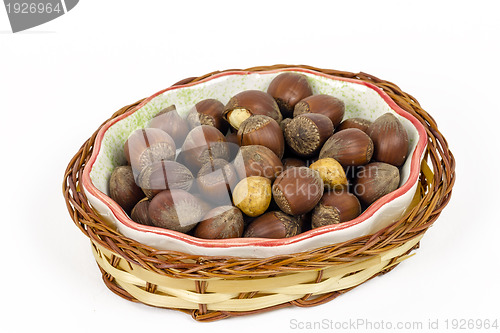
[{"x": 361, "y": 99}]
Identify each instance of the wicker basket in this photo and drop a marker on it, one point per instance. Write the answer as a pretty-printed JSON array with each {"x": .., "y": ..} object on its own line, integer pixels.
[{"x": 212, "y": 288}]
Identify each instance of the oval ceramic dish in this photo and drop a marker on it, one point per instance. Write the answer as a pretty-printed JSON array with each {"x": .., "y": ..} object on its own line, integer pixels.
[{"x": 361, "y": 99}]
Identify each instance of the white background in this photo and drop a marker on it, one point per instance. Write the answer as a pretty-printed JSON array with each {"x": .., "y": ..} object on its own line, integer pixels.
[{"x": 61, "y": 80}]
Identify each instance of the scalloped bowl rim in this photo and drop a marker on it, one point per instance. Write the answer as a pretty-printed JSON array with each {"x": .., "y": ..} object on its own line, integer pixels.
[{"x": 122, "y": 217}]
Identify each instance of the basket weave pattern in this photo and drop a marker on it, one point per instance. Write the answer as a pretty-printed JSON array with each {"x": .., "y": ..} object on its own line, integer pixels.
[{"x": 212, "y": 288}]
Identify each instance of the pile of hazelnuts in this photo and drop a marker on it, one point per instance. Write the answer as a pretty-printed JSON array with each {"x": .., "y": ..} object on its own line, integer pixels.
[{"x": 265, "y": 165}]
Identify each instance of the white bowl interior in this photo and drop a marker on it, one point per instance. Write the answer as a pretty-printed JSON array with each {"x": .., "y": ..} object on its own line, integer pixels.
[{"x": 360, "y": 101}]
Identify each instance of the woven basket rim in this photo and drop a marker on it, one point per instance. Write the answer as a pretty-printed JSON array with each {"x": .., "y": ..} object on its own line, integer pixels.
[{"x": 231, "y": 243}]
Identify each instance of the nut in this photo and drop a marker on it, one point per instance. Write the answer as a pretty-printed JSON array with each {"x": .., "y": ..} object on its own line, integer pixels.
[
  {"x": 327, "y": 105},
  {"x": 233, "y": 144},
  {"x": 335, "y": 207},
  {"x": 216, "y": 180},
  {"x": 306, "y": 134},
  {"x": 252, "y": 195},
  {"x": 331, "y": 172},
  {"x": 176, "y": 210},
  {"x": 390, "y": 140},
  {"x": 250, "y": 102},
  {"x": 274, "y": 224},
  {"x": 375, "y": 180},
  {"x": 140, "y": 212},
  {"x": 123, "y": 189},
  {"x": 291, "y": 162},
  {"x": 350, "y": 147},
  {"x": 207, "y": 112},
  {"x": 164, "y": 175},
  {"x": 262, "y": 130},
  {"x": 288, "y": 89},
  {"x": 171, "y": 122},
  {"x": 297, "y": 190},
  {"x": 358, "y": 123},
  {"x": 145, "y": 146},
  {"x": 203, "y": 144},
  {"x": 284, "y": 123},
  {"x": 256, "y": 160},
  {"x": 221, "y": 223}
]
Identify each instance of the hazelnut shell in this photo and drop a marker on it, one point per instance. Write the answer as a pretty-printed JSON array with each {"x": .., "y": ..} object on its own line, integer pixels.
[
  {"x": 335, "y": 207},
  {"x": 306, "y": 134},
  {"x": 123, "y": 188},
  {"x": 148, "y": 145},
  {"x": 327, "y": 105},
  {"x": 375, "y": 180},
  {"x": 350, "y": 147},
  {"x": 172, "y": 123},
  {"x": 207, "y": 112},
  {"x": 256, "y": 160},
  {"x": 298, "y": 190},
  {"x": 275, "y": 224},
  {"x": 288, "y": 89},
  {"x": 220, "y": 223},
  {"x": 264, "y": 131},
  {"x": 390, "y": 140}
]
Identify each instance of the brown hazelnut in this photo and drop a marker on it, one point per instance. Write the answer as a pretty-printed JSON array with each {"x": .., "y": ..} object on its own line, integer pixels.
[
  {"x": 288, "y": 89},
  {"x": 233, "y": 144},
  {"x": 297, "y": 190},
  {"x": 291, "y": 162},
  {"x": 331, "y": 172},
  {"x": 164, "y": 175},
  {"x": 390, "y": 140},
  {"x": 375, "y": 180},
  {"x": 274, "y": 224},
  {"x": 216, "y": 180},
  {"x": 171, "y": 122},
  {"x": 306, "y": 134},
  {"x": 252, "y": 195},
  {"x": 140, "y": 212},
  {"x": 123, "y": 189},
  {"x": 358, "y": 123},
  {"x": 221, "y": 223},
  {"x": 203, "y": 144},
  {"x": 335, "y": 207},
  {"x": 327, "y": 105},
  {"x": 350, "y": 147},
  {"x": 175, "y": 210},
  {"x": 207, "y": 112},
  {"x": 256, "y": 160},
  {"x": 250, "y": 102},
  {"x": 264, "y": 131},
  {"x": 284, "y": 123},
  {"x": 148, "y": 145}
]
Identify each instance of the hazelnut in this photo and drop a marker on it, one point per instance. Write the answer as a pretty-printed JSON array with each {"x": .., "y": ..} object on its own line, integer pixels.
[
  {"x": 252, "y": 195},
  {"x": 335, "y": 207},
  {"x": 140, "y": 212},
  {"x": 358, "y": 123},
  {"x": 274, "y": 224},
  {"x": 164, "y": 175},
  {"x": 123, "y": 189},
  {"x": 297, "y": 190},
  {"x": 306, "y": 134},
  {"x": 175, "y": 210},
  {"x": 331, "y": 172},
  {"x": 216, "y": 180},
  {"x": 375, "y": 180},
  {"x": 327, "y": 105},
  {"x": 350, "y": 147},
  {"x": 250, "y": 102},
  {"x": 221, "y": 223},
  {"x": 284, "y": 123},
  {"x": 172, "y": 123},
  {"x": 145, "y": 146},
  {"x": 207, "y": 112},
  {"x": 262, "y": 130},
  {"x": 288, "y": 89},
  {"x": 390, "y": 140},
  {"x": 256, "y": 160},
  {"x": 291, "y": 162},
  {"x": 203, "y": 144},
  {"x": 233, "y": 144}
]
